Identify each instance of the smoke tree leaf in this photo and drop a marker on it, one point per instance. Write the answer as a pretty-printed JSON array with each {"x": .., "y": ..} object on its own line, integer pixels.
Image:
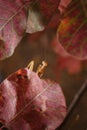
[
  {"x": 48, "y": 8},
  {"x": 12, "y": 25},
  {"x": 73, "y": 29},
  {"x": 63, "y": 4},
  {"x": 30, "y": 103}
]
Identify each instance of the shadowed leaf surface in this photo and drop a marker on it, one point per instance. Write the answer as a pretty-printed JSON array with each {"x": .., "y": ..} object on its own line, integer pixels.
[
  {"x": 49, "y": 8},
  {"x": 72, "y": 30}
]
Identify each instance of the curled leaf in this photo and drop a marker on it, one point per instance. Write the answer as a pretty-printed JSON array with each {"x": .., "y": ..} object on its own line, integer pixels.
[{"x": 34, "y": 23}]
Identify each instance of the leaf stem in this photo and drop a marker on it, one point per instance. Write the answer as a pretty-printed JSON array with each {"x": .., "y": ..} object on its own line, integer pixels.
[{"x": 74, "y": 102}]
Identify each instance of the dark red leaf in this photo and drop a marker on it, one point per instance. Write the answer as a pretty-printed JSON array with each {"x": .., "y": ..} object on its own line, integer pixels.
[
  {"x": 58, "y": 48},
  {"x": 12, "y": 25},
  {"x": 30, "y": 103},
  {"x": 65, "y": 61},
  {"x": 63, "y": 4},
  {"x": 54, "y": 21},
  {"x": 73, "y": 29},
  {"x": 49, "y": 8}
]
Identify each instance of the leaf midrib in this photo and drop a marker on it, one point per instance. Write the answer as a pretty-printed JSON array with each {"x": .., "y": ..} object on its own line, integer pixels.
[
  {"x": 12, "y": 16},
  {"x": 27, "y": 105}
]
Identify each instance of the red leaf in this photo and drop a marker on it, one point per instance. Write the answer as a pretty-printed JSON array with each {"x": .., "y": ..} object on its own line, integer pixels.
[
  {"x": 30, "y": 103},
  {"x": 63, "y": 4},
  {"x": 73, "y": 30},
  {"x": 58, "y": 48},
  {"x": 54, "y": 21},
  {"x": 65, "y": 61},
  {"x": 12, "y": 25},
  {"x": 49, "y": 8},
  {"x": 72, "y": 65}
]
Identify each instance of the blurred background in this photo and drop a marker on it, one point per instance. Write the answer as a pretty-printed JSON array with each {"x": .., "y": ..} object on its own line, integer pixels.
[{"x": 69, "y": 72}]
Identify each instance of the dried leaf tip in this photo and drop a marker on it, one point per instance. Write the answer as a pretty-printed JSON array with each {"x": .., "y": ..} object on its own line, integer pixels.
[
  {"x": 41, "y": 68},
  {"x": 31, "y": 65}
]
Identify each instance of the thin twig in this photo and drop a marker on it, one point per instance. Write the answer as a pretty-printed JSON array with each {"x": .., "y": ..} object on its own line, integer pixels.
[
  {"x": 74, "y": 102},
  {"x": 77, "y": 96}
]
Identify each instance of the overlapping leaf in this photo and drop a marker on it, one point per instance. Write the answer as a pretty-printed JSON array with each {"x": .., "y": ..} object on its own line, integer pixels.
[
  {"x": 65, "y": 61},
  {"x": 63, "y": 4},
  {"x": 30, "y": 103},
  {"x": 48, "y": 8},
  {"x": 12, "y": 26},
  {"x": 73, "y": 29}
]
